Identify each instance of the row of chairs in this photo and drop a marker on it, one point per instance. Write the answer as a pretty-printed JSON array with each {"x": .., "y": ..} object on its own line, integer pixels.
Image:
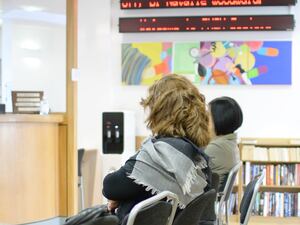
[
  {"x": 207, "y": 207},
  {"x": 154, "y": 211}
]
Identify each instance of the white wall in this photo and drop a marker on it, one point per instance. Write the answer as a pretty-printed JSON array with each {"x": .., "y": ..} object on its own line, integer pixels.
[
  {"x": 269, "y": 111},
  {"x": 39, "y": 65}
]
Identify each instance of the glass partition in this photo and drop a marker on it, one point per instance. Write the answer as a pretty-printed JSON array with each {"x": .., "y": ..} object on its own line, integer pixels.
[{"x": 33, "y": 50}]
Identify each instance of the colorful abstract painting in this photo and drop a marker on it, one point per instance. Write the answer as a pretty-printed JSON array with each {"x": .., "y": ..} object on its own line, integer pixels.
[{"x": 210, "y": 63}]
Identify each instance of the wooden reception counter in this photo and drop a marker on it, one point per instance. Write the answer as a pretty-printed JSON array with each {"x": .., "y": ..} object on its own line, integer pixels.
[{"x": 32, "y": 167}]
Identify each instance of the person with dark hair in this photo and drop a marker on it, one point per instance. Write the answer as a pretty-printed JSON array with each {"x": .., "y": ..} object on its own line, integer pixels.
[
  {"x": 173, "y": 158},
  {"x": 226, "y": 117}
]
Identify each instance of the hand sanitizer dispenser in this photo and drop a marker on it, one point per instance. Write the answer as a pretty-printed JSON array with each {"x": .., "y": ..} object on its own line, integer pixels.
[
  {"x": 118, "y": 140},
  {"x": 113, "y": 132},
  {"x": 118, "y": 137},
  {"x": 118, "y": 129}
]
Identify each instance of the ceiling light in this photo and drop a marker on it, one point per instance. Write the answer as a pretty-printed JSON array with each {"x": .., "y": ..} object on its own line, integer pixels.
[
  {"x": 30, "y": 45},
  {"x": 32, "y": 62},
  {"x": 32, "y": 8}
]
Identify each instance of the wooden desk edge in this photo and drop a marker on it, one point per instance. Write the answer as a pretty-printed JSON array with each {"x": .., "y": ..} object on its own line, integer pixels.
[{"x": 32, "y": 118}]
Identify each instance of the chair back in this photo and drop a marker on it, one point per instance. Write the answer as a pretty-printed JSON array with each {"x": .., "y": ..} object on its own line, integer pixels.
[
  {"x": 215, "y": 181},
  {"x": 248, "y": 199},
  {"x": 209, "y": 214},
  {"x": 80, "y": 157},
  {"x": 230, "y": 182},
  {"x": 154, "y": 210},
  {"x": 192, "y": 214}
]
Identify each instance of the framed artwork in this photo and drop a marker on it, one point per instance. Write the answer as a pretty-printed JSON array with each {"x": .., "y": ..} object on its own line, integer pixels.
[{"x": 209, "y": 62}]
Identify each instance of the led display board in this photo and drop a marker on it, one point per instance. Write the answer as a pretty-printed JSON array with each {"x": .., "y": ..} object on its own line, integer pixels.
[
  {"x": 156, "y": 4},
  {"x": 207, "y": 23}
]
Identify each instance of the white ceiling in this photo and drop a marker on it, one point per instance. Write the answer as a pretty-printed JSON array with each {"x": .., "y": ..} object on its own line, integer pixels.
[
  {"x": 49, "y": 11},
  {"x": 49, "y": 6}
]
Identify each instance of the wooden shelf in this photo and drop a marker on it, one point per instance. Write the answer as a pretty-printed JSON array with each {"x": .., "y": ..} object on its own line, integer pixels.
[
  {"x": 234, "y": 218},
  {"x": 280, "y": 188},
  {"x": 263, "y": 220},
  {"x": 250, "y": 144},
  {"x": 276, "y": 188},
  {"x": 32, "y": 118},
  {"x": 270, "y": 162},
  {"x": 275, "y": 220},
  {"x": 271, "y": 142}
]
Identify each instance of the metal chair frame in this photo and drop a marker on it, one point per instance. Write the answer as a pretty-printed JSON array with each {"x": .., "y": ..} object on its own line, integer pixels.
[
  {"x": 165, "y": 194},
  {"x": 255, "y": 191},
  {"x": 225, "y": 195}
]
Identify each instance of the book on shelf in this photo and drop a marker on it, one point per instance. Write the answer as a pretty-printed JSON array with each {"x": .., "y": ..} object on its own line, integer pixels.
[
  {"x": 274, "y": 154},
  {"x": 276, "y": 174},
  {"x": 247, "y": 173},
  {"x": 233, "y": 203},
  {"x": 279, "y": 159},
  {"x": 236, "y": 182},
  {"x": 277, "y": 204}
]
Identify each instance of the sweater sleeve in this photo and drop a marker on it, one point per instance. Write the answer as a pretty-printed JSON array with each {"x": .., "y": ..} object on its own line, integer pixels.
[{"x": 117, "y": 186}]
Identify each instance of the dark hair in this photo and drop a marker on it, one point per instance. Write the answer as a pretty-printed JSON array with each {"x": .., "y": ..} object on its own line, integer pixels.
[{"x": 226, "y": 114}]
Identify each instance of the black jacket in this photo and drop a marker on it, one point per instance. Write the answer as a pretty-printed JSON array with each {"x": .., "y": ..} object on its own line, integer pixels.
[{"x": 117, "y": 186}]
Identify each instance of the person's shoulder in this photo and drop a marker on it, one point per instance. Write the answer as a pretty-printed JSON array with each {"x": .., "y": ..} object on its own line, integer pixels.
[
  {"x": 216, "y": 142},
  {"x": 176, "y": 142},
  {"x": 180, "y": 144},
  {"x": 214, "y": 146},
  {"x": 226, "y": 143},
  {"x": 225, "y": 139}
]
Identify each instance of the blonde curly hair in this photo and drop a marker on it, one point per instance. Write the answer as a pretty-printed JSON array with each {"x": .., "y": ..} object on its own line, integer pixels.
[{"x": 177, "y": 109}]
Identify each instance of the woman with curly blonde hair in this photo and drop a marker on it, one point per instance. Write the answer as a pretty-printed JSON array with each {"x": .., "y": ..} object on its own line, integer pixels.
[
  {"x": 172, "y": 159},
  {"x": 177, "y": 109}
]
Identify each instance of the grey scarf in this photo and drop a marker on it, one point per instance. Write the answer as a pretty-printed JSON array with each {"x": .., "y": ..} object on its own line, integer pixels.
[{"x": 160, "y": 166}]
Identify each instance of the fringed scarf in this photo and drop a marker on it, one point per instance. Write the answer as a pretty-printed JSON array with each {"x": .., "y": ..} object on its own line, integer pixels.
[{"x": 173, "y": 164}]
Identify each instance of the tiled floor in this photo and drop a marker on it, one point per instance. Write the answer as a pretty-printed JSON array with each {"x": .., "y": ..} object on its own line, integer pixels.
[{"x": 54, "y": 221}]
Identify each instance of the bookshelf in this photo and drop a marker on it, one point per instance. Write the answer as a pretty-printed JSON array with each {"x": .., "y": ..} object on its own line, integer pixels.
[{"x": 279, "y": 196}]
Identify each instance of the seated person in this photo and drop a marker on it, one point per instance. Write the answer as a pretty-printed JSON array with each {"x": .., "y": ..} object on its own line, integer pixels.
[
  {"x": 173, "y": 158},
  {"x": 226, "y": 117}
]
